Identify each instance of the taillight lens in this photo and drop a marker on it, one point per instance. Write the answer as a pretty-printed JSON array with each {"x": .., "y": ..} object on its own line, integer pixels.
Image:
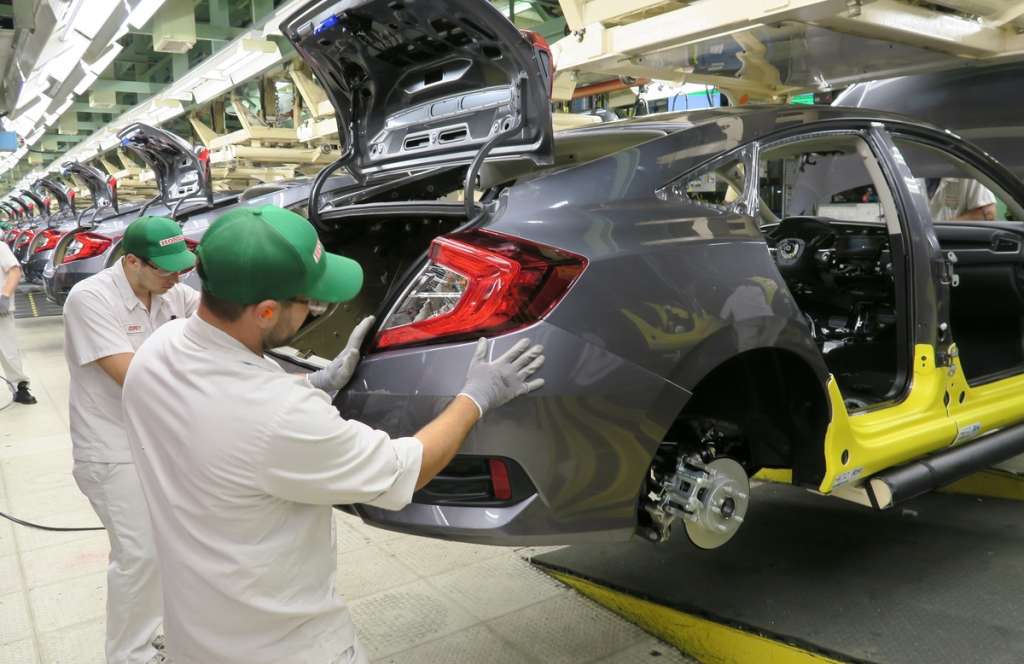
[
  {"x": 50, "y": 239},
  {"x": 479, "y": 283},
  {"x": 544, "y": 60},
  {"x": 86, "y": 245}
]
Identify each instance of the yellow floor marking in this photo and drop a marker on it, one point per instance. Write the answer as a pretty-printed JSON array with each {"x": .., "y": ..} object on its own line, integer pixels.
[
  {"x": 708, "y": 641},
  {"x": 32, "y": 303}
]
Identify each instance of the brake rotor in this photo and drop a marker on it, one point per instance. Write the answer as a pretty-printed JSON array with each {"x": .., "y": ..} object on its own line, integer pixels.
[{"x": 722, "y": 504}]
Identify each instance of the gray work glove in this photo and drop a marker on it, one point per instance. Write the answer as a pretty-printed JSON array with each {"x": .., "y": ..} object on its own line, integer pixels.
[
  {"x": 492, "y": 384},
  {"x": 5, "y": 305},
  {"x": 336, "y": 375}
]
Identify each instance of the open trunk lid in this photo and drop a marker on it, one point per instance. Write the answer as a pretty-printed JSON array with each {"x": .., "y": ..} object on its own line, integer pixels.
[
  {"x": 26, "y": 207},
  {"x": 37, "y": 201},
  {"x": 64, "y": 196},
  {"x": 426, "y": 83},
  {"x": 102, "y": 189},
  {"x": 182, "y": 172}
]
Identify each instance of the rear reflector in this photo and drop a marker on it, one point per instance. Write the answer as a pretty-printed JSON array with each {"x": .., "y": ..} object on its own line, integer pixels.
[
  {"x": 499, "y": 479},
  {"x": 479, "y": 283}
]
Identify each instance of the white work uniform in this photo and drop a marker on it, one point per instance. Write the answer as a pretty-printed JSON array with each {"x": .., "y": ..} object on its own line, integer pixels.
[
  {"x": 956, "y": 196},
  {"x": 240, "y": 463},
  {"x": 10, "y": 360},
  {"x": 104, "y": 317}
]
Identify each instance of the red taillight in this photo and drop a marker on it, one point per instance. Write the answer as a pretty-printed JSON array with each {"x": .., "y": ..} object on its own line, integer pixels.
[
  {"x": 480, "y": 283},
  {"x": 50, "y": 239},
  {"x": 86, "y": 245},
  {"x": 500, "y": 484},
  {"x": 543, "y": 52}
]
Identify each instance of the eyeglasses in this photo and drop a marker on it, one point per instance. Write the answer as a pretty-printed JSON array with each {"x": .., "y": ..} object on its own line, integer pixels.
[
  {"x": 316, "y": 307},
  {"x": 164, "y": 273}
]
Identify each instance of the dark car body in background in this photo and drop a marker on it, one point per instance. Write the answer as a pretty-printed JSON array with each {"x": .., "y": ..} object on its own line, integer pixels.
[{"x": 686, "y": 330}]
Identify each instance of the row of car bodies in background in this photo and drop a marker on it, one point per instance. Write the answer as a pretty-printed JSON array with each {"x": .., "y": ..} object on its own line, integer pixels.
[{"x": 185, "y": 194}]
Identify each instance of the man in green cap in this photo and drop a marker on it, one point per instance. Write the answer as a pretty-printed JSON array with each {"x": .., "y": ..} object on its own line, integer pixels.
[
  {"x": 241, "y": 462},
  {"x": 106, "y": 319}
]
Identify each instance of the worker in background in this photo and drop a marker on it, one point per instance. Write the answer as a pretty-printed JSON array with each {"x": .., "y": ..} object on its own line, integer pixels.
[
  {"x": 106, "y": 319},
  {"x": 241, "y": 461},
  {"x": 10, "y": 359},
  {"x": 960, "y": 199}
]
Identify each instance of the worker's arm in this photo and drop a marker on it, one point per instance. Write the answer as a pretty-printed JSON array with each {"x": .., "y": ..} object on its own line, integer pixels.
[
  {"x": 982, "y": 213},
  {"x": 93, "y": 334},
  {"x": 443, "y": 437},
  {"x": 489, "y": 384},
  {"x": 116, "y": 366},
  {"x": 9, "y": 265},
  {"x": 11, "y": 282},
  {"x": 311, "y": 455}
]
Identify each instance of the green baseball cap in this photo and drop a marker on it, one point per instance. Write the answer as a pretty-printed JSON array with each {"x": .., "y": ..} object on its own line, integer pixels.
[
  {"x": 268, "y": 253},
  {"x": 158, "y": 240}
]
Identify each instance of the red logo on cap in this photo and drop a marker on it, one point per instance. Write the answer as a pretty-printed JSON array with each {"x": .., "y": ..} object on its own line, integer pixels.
[
  {"x": 172, "y": 240},
  {"x": 318, "y": 252}
]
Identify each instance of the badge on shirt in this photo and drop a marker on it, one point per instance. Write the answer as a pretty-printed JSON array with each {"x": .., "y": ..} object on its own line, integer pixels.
[{"x": 134, "y": 328}]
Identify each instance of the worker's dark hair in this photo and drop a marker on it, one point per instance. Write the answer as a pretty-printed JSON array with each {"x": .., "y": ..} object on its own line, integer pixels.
[{"x": 223, "y": 309}]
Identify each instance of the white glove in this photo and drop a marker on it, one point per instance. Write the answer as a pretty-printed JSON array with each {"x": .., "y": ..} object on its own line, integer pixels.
[
  {"x": 5, "y": 305},
  {"x": 336, "y": 375},
  {"x": 492, "y": 384}
]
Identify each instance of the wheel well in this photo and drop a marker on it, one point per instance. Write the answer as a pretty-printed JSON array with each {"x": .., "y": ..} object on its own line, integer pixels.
[{"x": 772, "y": 404}]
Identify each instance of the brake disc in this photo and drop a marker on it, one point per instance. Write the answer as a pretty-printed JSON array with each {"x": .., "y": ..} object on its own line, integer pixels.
[{"x": 721, "y": 505}]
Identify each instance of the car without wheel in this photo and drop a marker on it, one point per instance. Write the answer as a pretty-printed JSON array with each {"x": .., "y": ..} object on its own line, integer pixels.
[{"x": 717, "y": 292}]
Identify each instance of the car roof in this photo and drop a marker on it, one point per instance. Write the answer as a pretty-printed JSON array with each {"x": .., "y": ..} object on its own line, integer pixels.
[{"x": 777, "y": 116}]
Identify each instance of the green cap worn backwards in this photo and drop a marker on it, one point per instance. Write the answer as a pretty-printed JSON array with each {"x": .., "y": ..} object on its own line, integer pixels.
[
  {"x": 159, "y": 241},
  {"x": 268, "y": 253}
]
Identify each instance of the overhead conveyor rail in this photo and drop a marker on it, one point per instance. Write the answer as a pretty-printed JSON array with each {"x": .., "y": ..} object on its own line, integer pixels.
[{"x": 765, "y": 50}]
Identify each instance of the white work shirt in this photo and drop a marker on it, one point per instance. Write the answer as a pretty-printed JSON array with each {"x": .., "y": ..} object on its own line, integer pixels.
[
  {"x": 7, "y": 263},
  {"x": 956, "y": 196},
  {"x": 103, "y": 317},
  {"x": 240, "y": 463}
]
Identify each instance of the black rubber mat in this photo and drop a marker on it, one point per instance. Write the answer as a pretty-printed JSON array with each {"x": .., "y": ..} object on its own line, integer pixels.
[
  {"x": 32, "y": 303},
  {"x": 938, "y": 580}
]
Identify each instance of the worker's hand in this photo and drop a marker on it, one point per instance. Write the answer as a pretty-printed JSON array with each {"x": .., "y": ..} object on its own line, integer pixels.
[
  {"x": 336, "y": 375},
  {"x": 491, "y": 384},
  {"x": 5, "y": 305}
]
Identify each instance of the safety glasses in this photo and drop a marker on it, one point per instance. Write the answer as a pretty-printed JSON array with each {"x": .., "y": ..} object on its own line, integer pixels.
[
  {"x": 316, "y": 307},
  {"x": 160, "y": 272}
]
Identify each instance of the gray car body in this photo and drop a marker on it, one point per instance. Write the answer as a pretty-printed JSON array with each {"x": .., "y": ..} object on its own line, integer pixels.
[{"x": 587, "y": 438}]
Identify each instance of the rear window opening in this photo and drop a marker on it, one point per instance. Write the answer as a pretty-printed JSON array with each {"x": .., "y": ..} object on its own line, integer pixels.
[{"x": 387, "y": 240}]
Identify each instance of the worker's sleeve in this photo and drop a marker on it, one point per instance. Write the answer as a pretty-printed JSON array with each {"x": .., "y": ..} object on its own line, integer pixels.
[
  {"x": 7, "y": 259},
  {"x": 312, "y": 455},
  {"x": 91, "y": 329},
  {"x": 977, "y": 195}
]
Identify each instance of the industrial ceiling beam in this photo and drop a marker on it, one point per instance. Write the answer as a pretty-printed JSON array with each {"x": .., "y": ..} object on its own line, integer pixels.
[
  {"x": 920, "y": 26},
  {"x": 84, "y": 107},
  {"x": 138, "y": 87},
  {"x": 204, "y": 32}
]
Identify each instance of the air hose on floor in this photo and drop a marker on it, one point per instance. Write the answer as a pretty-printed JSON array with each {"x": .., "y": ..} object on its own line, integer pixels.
[{"x": 29, "y": 524}]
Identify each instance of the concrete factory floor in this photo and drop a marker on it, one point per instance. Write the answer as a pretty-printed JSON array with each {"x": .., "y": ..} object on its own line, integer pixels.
[{"x": 413, "y": 599}]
